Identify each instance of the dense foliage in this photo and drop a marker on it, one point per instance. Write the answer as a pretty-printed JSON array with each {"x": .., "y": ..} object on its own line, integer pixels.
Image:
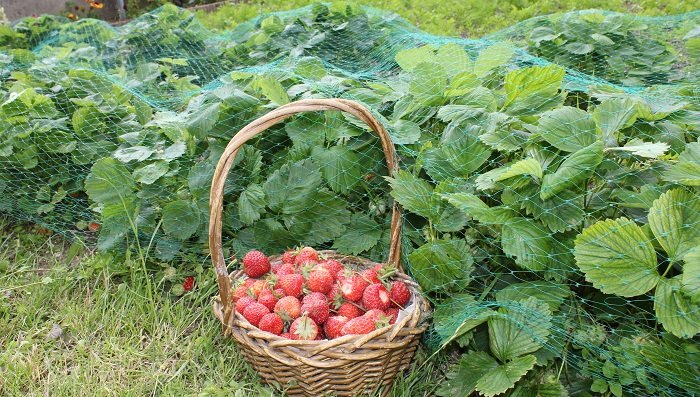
[{"x": 555, "y": 230}]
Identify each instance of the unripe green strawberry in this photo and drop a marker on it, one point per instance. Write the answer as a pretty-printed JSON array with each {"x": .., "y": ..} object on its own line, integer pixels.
[{"x": 256, "y": 264}]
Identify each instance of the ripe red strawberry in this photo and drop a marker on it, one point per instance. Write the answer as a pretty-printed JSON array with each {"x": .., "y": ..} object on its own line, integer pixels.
[
  {"x": 94, "y": 227},
  {"x": 286, "y": 268},
  {"x": 188, "y": 284},
  {"x": 314, "y": 296},
  {"x": 342, "y": 275},
  {"x": 374, "y": 314},
  {"x": 316, "y": 307},
  {"x": 371, "y": 276},
  {"x": 254, "y": 312},
  {"x": 243, "y": 302},
  {"x": 320, "y": 280},
  {"x": 306, "y": 255},
  {"x": 333, "y": 267},
  {"x": 257, "y": 287},
  {"x": 288, "y": 256},
  {"x": 335, "y": 296},
  {"x": 242, "y": 290},
  {"x": 393, "y": 314},
  {"x": 358, "y": 326},
  {"x": 376, "y": 297},
  {"x": 334, "y": 325},
  {"x": 291, "y": 284},
  {"x": 288, "y": 308},
  {"x": 349, "y": 311},
  {"x": 271, "y": 323},
  {"x": 303, "y": 328},
  {"x": 353, "y": 287},
  {"x": 286, "y": 335},
  {"x": 268, "y": 298},
  {"x": 256, "y": 264},
  {"x": 380, "y": 318},
  {"x": 399, "y": 293}
]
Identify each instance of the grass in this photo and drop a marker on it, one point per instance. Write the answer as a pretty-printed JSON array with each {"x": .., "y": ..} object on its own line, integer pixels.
[
  {"x": 469, "y": 18},
  {"x": 73, "y": 325}
]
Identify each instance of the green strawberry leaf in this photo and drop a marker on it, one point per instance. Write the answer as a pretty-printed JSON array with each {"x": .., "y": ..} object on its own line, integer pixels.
[
  {"x": 341, "y": 168},
  {"x": 573, "y": 171},
  {"x": 503, "y": 377},
  {"x": 458, "y": 315},
  {"x": 362, "y": 234},
  {"x": 405, "y": 132},
  {"x": 414, "y": 194},
  {"x": 290, "y": 189},
  {"x": 687, "y": 170},
  {"x": 492, "y": 57},
  {"x": 463, "y": 376},
  {"x": 674, "y": 218},
  {"x": 453, "y": 58},
  {"x": 180, "y": 219},
  {"x": 533, "y": 247},
  {"x": 691, "y": 275},
  {"x": 456, "y": 158},
  {"x": 614, "y": 114},
  {"x": 519, "y": 328},
  {"x": 617, "y": 257},
  {"x": 109, "y": 182},
  {"x": 674, "y": 310},
  {"x": 440, "y": 264},
  {"x": 568, "y": 129},
  {"x": 251, "y": 204},
  {"x": 533, "y": 90},
  {"x": 151, "y": 172},
  {"x": 428, "y": 82},
  {"x": 549, "y": 292},
  {"x": 476, "y": 209},
  {"x": 409, "y": 58}
]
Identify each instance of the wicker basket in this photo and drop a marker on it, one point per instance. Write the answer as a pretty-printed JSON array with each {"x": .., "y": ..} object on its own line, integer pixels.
[{"x": 345, "y": 366}]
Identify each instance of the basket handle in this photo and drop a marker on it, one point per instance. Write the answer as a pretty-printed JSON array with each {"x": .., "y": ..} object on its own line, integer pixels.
[{"x": 258, "y": 126}]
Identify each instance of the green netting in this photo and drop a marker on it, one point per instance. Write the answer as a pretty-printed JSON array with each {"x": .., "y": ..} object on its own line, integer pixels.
[{"x": 550, "y": 171}]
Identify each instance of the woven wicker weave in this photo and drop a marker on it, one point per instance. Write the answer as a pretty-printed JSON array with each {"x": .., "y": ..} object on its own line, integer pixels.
[{"x": 345, "y": 366}]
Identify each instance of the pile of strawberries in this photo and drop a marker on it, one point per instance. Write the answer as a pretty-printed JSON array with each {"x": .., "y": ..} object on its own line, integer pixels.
[{"x": 308, "y": 297}]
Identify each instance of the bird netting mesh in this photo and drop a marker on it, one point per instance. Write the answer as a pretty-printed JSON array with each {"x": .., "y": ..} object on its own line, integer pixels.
[{"x": 549, "y": 172}]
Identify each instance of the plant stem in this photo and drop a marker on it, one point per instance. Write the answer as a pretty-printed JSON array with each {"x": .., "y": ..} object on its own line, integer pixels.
[{"x": 668, "y": 268}]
